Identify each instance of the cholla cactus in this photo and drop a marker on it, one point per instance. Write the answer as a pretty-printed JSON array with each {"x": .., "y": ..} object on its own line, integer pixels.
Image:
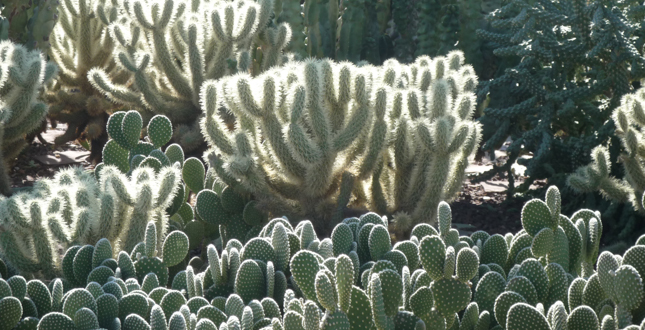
[
  {"x": 22, "y": 74},
  {"x": 629, "y": 119},
  {"x": 28, "y": 22},
  {"x": 170, "y": 48},
  {"x": 432, "y": 134},
  {"x": 76, "y": 208},
  {"x": 81, "y": 42},
  {"x": 312, "y": 133}
]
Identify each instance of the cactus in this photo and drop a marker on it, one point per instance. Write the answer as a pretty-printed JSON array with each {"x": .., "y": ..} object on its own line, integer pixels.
[
  {"x": 544, "y": 108},
  {"x": 168, "y": 78},
  {"x": 348, "y": 127},
  {"x": 23, "y": 74},
  {"x": 83, "y": 28},
  {"x": 29, "y": 22},
  {"x": 629, "y": 119},
  {"x": 74, "y": 207},
  {"x": 354, "y": 280}
]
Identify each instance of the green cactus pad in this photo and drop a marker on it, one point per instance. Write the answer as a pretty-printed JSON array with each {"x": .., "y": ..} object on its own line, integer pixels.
[
  {"x": 172, "y": 302},
  {"x": 533, "y": 270},
  {"x": 100, "y": 275},
  {"x": 82, "y": 265},
  {"x": 342, "y": 237},
  {"x": 558, "y": 283},
  {"x": 135, "y": 322},
  {"x": 10, "y": 312},
  {"x": 593, "y": 293},
  {"x": 175, "y": 154},
  {"x": 15, "y": 286},
  {"x": 304, "y": 267},
  {"x": 27, "y": 323},
  {"x": 523, "y": 316},
  {"x": 258, "y": 248},
  {"x": 193, "y": 173},
  {"x": 107, "y": 307},
  {"x": 40, "y": 295},
  {"x": 491, "y": 285},
  {"x": 252, "y": 215},
  {"x": 250, "y": 282},
  {"x": 583, "y": 318},
  {"x": 392, "y": 290},
  {"x": 159, "y": 130},
  {"x": 114, "y": 154},
  {"x": 504, "y": 302},
  {"x": 467, "y": 264},
  {"x": 494, "y": 250},
  {"x": 536, "y": 215},
  {"x": 131, "y": 127},
  {"x": 85, "y": 319},
  {"x": 146, "y": 265},
  {"x": 211, "y": 313},
  {"x": 133, "y": 303},
  {"x": 56, "y": 321},
  {"x": 411, "y": 252},
  {"x": 335, "y": 320},
  {"x": 542, "y": 242},
  {"x": 628, "y": 287},
  {"x": 209, "y": 207},
  {"x": 77, "y": 299},
  {"x": 432, "y": 252},
  {"x": 524, "y": 287},
  {"x": 450, "y": 296},
  {"x": 231, "y": 201},
  {"x": 175, "y": 249}
]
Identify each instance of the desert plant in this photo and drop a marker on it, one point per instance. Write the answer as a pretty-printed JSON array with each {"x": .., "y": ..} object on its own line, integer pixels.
[
  {"x": 286, "y": 278},
  {"x": 341, "y": 145},
  {"x": 22, "y": 74},
  {"x": 81, "y": 42},
  {"x": 28, "y": 22},
  {"x": 629, "y": 119},
  {"x": 556, "y": 102},
  {"x": 170, "y": 56}
]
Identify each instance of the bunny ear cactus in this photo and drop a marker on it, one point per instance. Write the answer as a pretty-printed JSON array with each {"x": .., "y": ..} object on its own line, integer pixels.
[
  {"x": 72, "y": 98},
  {"x": 174, "y": 250},
  {"x": 205, "y": 45},
  {"x": 22, "y": 74}
]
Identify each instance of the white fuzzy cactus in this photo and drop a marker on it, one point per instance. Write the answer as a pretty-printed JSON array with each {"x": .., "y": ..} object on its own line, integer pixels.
[
  {"x": 22, "y": 74},
  {"x": 313, "y": 136},
  {"x": 170, "y": 47}
]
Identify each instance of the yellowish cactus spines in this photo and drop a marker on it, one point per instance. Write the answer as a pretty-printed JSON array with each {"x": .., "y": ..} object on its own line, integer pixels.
[
  {"x": 399, "y": 133},
  {"x": 169, "y": 49}
]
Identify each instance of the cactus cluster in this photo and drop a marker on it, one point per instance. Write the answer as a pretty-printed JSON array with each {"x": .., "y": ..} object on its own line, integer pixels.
[
  {"x": 315, "y": 136},
  {"x": 169, "y": 49},
  {"x": 22, "y": 74},
  {"x": 80, "y": 41},
  {"x": 629, "y": 120},
  {"x": 29, "y": 23},
  {"x": 548, "y": 276},
  {"x": 557, "y": 100},
  {"x": 115, "y": 201}
]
